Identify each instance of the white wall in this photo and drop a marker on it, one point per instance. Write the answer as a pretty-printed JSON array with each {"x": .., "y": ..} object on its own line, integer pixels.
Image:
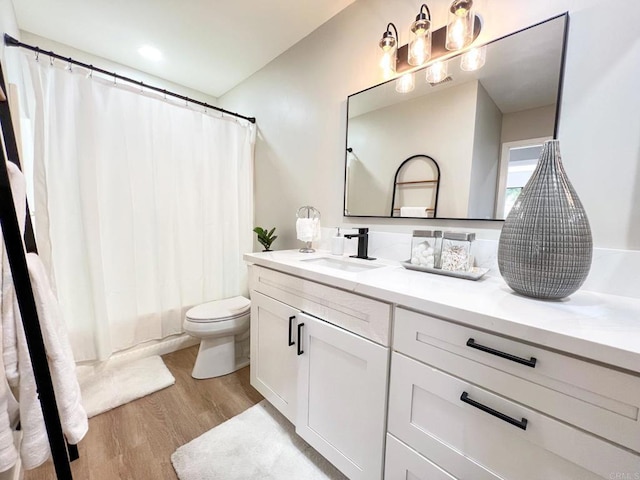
[
  {"x": 8, "y": 24},
  {"x": 299, "y": 100},
  {"x": 438, "y": 125},
  {"x": 533, "y": 123},
  {"x": 486, "y": 156}
]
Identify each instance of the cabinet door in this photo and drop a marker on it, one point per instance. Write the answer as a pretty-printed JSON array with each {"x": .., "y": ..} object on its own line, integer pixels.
[
  {"x": 273, "y": 359},
  {"x": 342, "y": 382}
]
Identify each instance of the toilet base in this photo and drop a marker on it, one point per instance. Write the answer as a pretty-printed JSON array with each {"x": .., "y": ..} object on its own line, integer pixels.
[{"x": 217, "y": 357}]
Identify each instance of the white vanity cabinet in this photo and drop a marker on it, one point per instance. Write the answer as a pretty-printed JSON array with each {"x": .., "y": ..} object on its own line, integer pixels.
[
  {"x": 477, "y": 405},
  {"x": 317, "y": 354},
  {"x": 273, "y": 353},
  {"x": 471, "y": 383}
]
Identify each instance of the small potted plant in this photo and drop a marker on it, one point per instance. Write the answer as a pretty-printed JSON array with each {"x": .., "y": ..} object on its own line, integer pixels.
[{"x": 266, "y": 238}]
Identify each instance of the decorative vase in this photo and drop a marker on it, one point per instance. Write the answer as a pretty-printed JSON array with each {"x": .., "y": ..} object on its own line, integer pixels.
[{"x": 545, "y": 246}]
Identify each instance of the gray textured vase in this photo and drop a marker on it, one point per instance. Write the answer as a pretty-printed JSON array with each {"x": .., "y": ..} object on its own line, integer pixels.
[{"x": 545, "y": 246}]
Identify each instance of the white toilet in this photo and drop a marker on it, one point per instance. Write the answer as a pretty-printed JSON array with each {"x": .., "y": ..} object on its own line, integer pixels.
[{"x": 223, "y": 326}]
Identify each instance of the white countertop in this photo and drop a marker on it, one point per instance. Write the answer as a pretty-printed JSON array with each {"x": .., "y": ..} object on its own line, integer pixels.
[{"x": 601, "y": 327}]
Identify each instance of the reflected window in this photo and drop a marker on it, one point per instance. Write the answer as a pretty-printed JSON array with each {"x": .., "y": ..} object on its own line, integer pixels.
[{"x": 522, "y": 163}]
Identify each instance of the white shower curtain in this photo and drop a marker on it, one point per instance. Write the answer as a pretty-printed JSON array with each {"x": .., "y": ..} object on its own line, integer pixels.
[{"x": 143, "y": 207}]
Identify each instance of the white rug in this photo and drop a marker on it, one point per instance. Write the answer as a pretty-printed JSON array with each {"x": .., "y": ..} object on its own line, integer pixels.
[
  {"x": 110, "y": 386},
  {"x": 259, "y": 443}
]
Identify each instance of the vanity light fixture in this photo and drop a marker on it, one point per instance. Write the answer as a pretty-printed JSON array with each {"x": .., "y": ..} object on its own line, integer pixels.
[
  {"x": 474, "y": 59},
  {"x": 425, "y": 44},
  {"x": 420, "y": 35},
  {"x": 406, "y": 83},
  {"x": 389, "y": 46},
  {"x": 437, "y": 72},
  {"x": 460, "y": 24}
]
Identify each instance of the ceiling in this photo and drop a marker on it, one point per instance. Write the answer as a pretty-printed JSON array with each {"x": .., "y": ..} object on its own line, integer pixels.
[{"x": 209, "y": 46}]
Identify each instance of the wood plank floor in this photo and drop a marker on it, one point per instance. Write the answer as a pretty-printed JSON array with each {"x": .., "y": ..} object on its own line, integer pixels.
[{"x": 136, "y": 440}]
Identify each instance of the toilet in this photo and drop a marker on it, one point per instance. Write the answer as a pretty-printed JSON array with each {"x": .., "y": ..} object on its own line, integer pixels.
[{"x": 223, "y": 327}]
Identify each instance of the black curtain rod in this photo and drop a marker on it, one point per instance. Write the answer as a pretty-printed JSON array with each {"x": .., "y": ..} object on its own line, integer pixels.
[{"x": 12, "y": 42}]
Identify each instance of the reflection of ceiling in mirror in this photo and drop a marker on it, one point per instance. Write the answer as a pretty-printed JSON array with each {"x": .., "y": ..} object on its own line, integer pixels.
[{"x": 521, "y": 72}]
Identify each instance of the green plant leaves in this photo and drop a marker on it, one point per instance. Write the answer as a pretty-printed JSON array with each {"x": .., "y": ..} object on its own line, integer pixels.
[{"x": 265, "y": 238}]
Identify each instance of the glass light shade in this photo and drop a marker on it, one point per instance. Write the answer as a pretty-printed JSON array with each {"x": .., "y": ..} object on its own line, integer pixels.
[
  {"x": 406, "y": 83},
  {"x": 437, "y": 72},
  {"x": 474, "y": 59},
  {"x": 420, "y": 42},
  {"x": 388, "y": 56},
  {"x": 460, "y": 25}
]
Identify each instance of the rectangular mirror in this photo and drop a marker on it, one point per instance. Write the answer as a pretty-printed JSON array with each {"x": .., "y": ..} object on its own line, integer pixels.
[{"x": 461, "y": 148}]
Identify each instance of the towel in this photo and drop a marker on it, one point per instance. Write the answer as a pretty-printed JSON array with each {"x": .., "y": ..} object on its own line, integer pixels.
[
  {"x": 8, "y": 308},
  {"x": 415, "y": 212},
  {"x": 308, "y": 229},
  {"x": 35, "y": 448},
  {"x": 9, "y": 300},
  {"x": 35, "y": 445},
  {"x": 8, "y": 452}
]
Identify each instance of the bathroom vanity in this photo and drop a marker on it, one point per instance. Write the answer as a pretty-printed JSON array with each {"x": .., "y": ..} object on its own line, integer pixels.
[{"x": 395, "y": 374}]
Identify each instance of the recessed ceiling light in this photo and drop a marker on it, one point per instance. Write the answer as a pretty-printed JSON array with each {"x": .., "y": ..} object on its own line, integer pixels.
[{"x": 150, "y": 53}]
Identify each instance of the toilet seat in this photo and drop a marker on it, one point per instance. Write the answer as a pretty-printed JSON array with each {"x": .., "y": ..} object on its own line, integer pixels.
[{"x": 219, "y": 310}]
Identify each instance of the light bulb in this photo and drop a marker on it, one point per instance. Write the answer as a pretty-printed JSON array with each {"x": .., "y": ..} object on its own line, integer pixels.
[
  {"x": 474, "y": 59},
  {"x": 456, "y": 35},
  {"x": 420, "y": 40},
  {"x": 437, "y": 72},
  {"x": 460, "y": 24},
  {"x": 388, "y": 63},
  {"x": 406, "y": 83},
  {"x": 389, "y": 47}
]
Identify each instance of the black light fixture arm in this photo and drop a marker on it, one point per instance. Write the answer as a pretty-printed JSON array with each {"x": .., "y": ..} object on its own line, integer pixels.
[
  {"x": 9, "y": 41},
  {"x": 425, "y": 7},
  {"x": 388, "y": 32}
]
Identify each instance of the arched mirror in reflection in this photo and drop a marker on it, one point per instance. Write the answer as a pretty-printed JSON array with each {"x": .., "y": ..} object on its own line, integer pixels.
[{"x": 464, "y": 122}]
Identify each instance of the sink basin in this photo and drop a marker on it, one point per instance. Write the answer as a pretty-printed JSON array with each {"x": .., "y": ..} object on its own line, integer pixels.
[{"x": 343, "y": 265}]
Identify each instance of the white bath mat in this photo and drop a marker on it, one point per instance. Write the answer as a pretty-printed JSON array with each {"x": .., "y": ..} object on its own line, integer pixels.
[
  {"x": 115, "y": 385},
  {"x": 259, "y": 443}
]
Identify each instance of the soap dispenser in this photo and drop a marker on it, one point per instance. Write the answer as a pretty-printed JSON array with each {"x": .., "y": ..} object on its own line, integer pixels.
[{"x": 337, "y": 244}]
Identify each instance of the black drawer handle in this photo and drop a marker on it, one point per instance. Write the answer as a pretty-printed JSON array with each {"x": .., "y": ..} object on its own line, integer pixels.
[
  {"x": 529, "y": 363},
  {"x": 291, "y": 319},
  {"x": 300, "y": 351},
  {"x": 518, "y": 423}
]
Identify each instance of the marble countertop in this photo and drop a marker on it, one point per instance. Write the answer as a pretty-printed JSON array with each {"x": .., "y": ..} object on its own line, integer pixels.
[{"x": 601, "y": 327}]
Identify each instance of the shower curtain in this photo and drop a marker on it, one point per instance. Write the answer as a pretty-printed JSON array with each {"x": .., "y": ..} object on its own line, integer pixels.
[{"x": 143, "y": 207}]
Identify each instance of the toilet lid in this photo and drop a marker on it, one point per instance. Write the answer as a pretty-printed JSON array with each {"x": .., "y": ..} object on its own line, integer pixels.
[{"x": 218, "y": 310}]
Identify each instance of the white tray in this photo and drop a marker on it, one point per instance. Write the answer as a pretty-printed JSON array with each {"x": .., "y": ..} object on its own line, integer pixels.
[{"x": 474, "y": 274}]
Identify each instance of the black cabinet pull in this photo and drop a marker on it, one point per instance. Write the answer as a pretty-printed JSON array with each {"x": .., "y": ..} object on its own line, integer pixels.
[
  {"x": 529, "y": 363},
  {"x": 518, "y": 423},
  {"x": 291, "y": 319},
  {"x": 300, "y": 351}
]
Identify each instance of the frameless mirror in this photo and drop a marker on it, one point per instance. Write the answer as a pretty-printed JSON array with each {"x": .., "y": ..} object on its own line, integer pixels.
[{"x": 461, "y": 148}]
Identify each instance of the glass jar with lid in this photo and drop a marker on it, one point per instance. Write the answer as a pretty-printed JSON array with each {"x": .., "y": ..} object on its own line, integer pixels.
[
  {"x": 457, "y": 253},
  {"x": 425, "y": 248}
]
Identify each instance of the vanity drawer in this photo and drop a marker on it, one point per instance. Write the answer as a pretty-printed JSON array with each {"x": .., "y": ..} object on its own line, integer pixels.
[
  {"x": 403, "y": 462},
  {"x": 355, "y": 313},
  {"x": 426, "y": 411},
  {"x": 600, "y": 400}
]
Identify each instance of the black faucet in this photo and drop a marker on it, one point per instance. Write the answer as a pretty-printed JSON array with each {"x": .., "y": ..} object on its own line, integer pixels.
[{"x": 363, "y": 243}]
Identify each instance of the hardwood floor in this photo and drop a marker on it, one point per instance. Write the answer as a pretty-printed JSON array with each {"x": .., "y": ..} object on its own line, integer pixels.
[{"x": 135, "y": 441}]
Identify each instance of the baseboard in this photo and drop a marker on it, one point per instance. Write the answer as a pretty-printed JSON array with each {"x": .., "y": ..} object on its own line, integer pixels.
[
  {"x": 149, "y": 349},
  {"x": 160, "y": 347}
]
